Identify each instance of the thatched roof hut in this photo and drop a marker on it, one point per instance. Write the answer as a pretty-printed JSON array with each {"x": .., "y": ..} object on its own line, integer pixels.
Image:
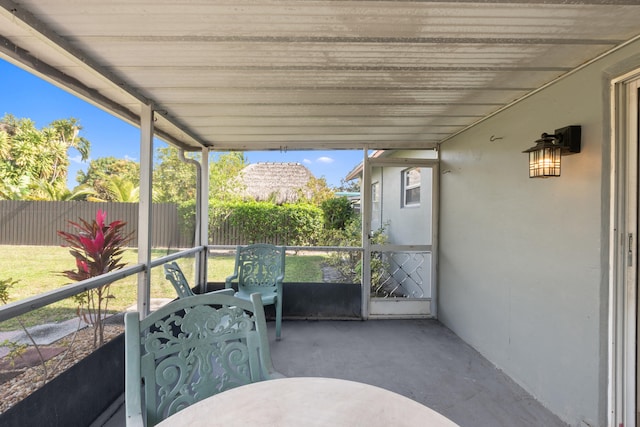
[{"x": 277, "y": 182}]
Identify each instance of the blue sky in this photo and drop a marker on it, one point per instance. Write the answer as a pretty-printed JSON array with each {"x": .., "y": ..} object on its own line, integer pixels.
[{"x": 27, "y": 96}]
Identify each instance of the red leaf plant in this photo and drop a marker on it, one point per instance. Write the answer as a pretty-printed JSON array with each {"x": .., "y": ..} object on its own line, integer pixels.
[{"x": 98, "y": 249}]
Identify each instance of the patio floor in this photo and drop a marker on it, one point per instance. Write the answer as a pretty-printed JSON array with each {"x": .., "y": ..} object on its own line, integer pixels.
[{"x": 420, "y": 359}]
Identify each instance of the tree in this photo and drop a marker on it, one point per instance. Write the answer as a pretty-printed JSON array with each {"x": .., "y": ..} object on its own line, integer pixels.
[
  {"x": 173, "y": 180},
  {"x": 224, "y": 174},
  {"x": 14, "y": 191},
  {"x": 49, "y": 192},
  {"x": 101, "y": 171},
  {"x": 352, "y": 186},
  {"x": 30, "y": 157},
  {"x": 122, "y": 190},
  {"x": 320, "y": 191}
]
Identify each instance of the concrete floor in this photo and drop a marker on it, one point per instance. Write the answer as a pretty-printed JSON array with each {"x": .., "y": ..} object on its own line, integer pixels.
[{"x": 420, "y": 359}]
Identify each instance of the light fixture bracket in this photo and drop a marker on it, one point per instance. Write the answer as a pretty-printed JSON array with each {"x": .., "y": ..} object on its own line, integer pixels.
[{"x": 568, "y": 138}]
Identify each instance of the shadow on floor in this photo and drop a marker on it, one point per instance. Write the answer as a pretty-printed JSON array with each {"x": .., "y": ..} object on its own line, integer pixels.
[{"x": 420, "y": 359}]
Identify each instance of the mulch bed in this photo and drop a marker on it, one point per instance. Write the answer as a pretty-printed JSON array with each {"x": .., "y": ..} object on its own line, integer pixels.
[
  {"x": 30, "y": 358},
  {"x": 12, "y": 367},
  {"x": 22, "y": 375}
]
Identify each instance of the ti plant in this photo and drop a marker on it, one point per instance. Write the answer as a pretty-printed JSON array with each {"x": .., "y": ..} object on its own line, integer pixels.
[{"x": 98, "y": 249}]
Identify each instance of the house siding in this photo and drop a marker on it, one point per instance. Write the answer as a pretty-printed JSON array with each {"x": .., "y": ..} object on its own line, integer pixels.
[{"x": 523, "y": 270}]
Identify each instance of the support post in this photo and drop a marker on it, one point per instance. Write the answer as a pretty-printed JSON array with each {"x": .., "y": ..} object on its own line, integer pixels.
[
  {"x": 203, "y": 237},
  {"x": 145, "y": 207},
  {"x": 365, "y": 212}
]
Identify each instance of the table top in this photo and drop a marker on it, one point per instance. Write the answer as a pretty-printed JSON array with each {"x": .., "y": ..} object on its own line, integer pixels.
[{"x": 308, "y": 401}]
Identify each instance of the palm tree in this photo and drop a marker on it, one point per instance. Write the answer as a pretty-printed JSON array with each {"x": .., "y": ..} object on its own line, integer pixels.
[
  {"x": 119, "y": 190},
  {"x": 28, "y": 154},
  {"x": 51, "y": 192}
]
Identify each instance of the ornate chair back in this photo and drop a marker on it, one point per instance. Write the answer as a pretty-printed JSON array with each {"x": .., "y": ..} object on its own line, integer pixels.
[
  {"x": 190, "y": 349},
  {"x": 260, "y": 268},
  {"x": 174, "y": 274}
]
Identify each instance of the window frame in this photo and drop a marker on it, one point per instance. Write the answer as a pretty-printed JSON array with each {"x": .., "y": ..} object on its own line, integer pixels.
[
  {"x": 375, "y": 191},
  {"x": 408, "y": 187}
]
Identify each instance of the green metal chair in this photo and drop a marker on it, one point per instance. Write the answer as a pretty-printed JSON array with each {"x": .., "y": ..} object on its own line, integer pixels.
[
  {"x": 174, "y": 274},
  {"x": 190, "y": 349},
  {"x": 260, "y": 268}
]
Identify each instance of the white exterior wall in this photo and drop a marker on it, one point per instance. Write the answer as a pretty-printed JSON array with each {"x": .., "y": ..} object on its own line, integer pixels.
[
  {"x": 523, "y": 262},
  {"x": 410, "y": 225}
]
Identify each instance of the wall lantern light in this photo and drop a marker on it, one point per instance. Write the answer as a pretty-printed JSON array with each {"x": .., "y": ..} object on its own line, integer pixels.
[{"x": 544, "y": 157}]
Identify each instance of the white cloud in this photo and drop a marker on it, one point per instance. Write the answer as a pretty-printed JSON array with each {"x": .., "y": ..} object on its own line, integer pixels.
[
  {"x": 78, "y": 159},
  {"x": 127, "y": 157},
  {"x": 307, "y": 161},
  {"x": 325, "y": 160}
]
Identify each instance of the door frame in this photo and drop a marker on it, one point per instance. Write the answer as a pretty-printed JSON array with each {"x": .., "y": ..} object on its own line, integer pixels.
[
  {"x": 623, "y": 240},
  {"x": 366, "y": 212}
]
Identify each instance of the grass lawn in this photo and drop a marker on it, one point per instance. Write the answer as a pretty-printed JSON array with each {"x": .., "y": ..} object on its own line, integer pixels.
[{"x": 38, "y": 268}]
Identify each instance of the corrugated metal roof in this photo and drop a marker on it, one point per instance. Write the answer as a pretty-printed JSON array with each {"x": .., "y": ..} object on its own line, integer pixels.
[{"x": 273, "y": 74}]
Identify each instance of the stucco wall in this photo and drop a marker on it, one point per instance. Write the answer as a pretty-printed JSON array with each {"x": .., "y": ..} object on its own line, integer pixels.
[
  {"x": 404, "y": 225},
  {"x": 521, "y": 271}
]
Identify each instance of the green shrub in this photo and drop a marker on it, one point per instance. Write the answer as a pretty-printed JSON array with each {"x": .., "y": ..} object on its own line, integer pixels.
[
  {"x": 336, "y": 213},
  {"x": 299, "y": 224},
  {"x": 350, "y": 264},
  {"x": 187, "y": 217},
  {"x": 288, "y": 224}
]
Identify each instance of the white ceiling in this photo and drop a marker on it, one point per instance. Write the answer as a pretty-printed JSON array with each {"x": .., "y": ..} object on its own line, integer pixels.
[{"x": 288, "y": 75}]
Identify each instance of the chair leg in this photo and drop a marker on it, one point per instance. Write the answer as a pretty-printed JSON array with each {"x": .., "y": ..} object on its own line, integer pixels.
[{"x": 278, "y": 318}]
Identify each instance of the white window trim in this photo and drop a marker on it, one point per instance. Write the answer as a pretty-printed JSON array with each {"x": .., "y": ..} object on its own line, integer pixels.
[
  {"x": 406, "y": 187},
  {"x": 375, "y": 191}
]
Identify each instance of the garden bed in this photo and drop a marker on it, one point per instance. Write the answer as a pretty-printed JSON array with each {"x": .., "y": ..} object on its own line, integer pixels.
[{"x": 81, "y": 382}]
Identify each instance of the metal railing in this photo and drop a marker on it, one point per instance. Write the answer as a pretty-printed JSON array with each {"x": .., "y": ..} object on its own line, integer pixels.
[
  {"x": 48, "y": 308},
  {"x": 403, "y": 276},
  {"x": 16, "y": 308}
]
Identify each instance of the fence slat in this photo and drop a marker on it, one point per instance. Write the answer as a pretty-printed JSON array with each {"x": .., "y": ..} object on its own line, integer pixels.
[{"x": 37, "y": 222}]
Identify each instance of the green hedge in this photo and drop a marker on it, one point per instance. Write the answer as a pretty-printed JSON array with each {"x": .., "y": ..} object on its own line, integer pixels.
[
  {"x": 288, "y": 224},
  {"x": 296, "y": 225}
]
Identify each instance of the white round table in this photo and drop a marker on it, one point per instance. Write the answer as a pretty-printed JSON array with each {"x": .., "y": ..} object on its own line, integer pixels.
[{"x": 308, "y": 402}]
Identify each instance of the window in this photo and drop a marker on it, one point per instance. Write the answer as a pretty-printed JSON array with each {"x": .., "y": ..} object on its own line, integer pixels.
[
  {"x": 411, "y": 187},
  {"x": 375, "y": 192}
]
